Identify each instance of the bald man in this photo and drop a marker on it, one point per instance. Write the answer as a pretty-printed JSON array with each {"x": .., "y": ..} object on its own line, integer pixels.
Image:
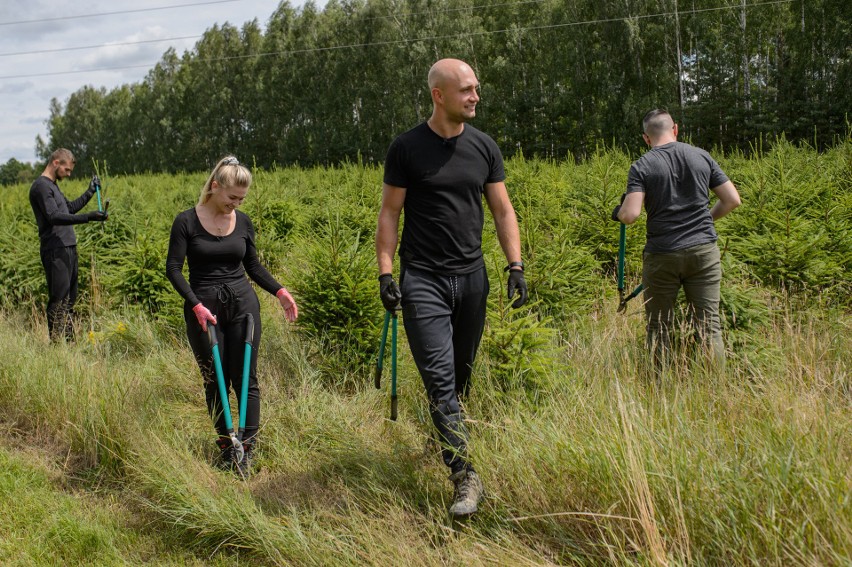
[
  {"x": 672, "y": 182},
  {"x": 438, "y": 172}
]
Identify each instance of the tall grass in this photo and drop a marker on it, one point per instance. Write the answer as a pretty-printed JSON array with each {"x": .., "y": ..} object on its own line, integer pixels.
[
  {"x": 601, "y": 467},
  {"x": 586, "y": 460}
]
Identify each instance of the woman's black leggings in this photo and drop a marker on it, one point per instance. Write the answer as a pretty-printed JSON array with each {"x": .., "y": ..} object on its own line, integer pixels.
[{"x": 230, "y": 303}]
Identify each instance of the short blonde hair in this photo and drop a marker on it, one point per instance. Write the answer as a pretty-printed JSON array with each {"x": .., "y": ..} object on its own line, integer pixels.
[{"x": 229, "y": 172}]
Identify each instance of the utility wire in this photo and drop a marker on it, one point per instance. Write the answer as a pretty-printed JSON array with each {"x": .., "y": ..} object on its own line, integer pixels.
[
  {"x": 383, "y": 17},
  {"x": 79, "y": 47},
  {"x": 137, "y": 10},
  {"x": 414, "y": 40}
]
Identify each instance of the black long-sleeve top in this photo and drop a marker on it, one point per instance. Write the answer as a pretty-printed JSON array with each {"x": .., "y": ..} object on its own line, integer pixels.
[
  {"x": 213, "y": 259},
  {"x": 55, "y": 214}
]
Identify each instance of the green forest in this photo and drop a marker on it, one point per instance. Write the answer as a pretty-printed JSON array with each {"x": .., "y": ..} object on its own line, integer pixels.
[{"x": 559, "y": 78}]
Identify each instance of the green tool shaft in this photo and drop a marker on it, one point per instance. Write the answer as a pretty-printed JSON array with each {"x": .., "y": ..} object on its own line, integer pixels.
[
  {"x": 393, "y": 367},
  {"x": 622, "y": 244},
  {"x": 379, "y": 362},
  {"x": 220, "y": 378},
  {"x": 246, "y": 368}
]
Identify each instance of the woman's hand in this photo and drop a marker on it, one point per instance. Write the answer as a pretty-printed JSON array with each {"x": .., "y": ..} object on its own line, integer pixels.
[
  {"x": 202, "y": 314},
  {"x": 291, "y": 311}
]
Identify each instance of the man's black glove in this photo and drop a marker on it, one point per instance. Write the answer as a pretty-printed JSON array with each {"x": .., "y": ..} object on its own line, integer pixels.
[
  {"x": 94, "y": 184},
  {"x": 519, "y": 284},
  {"x": 617, "y": 208},
  {"x": 615, "y": 212},
  {"x": 96, "y": 216},
  {"x": 391, "y": 295}
]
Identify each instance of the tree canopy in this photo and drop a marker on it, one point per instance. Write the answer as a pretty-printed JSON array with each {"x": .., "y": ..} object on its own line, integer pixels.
[{"x": 559, "y": 78}]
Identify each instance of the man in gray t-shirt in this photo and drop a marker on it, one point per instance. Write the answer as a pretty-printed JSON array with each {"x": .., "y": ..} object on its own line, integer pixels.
[{"x": 672, "y": 180}]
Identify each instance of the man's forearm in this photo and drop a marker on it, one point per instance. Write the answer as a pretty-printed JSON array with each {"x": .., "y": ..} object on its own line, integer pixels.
[
  {"x": 729, "y": 199},
  {"x": 508, "y": 234},
  {"x": 720, "y": 209},
  {"x": 386, "y": 241}
]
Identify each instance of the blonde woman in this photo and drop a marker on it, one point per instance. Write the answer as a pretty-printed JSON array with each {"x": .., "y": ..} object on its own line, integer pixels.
[{"x": 218, "y": 243}]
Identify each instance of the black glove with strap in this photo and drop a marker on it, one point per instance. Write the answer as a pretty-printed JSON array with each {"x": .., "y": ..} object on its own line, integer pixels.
[
  {"x": 99, "y": 216},
  {"x": 390, "y": 293},
  {"x": 93, "y": 185},
  {"x": 617, "y": 208},
  {"x": 516, "y": 283}
]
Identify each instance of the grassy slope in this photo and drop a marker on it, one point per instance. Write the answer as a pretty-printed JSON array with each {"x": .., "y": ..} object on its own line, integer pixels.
[
  {"x": 585, "y": 461},
  {"x": 603, "y": 468}
]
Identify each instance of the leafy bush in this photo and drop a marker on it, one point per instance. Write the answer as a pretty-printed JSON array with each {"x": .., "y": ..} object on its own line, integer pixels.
[
  {"x": 794, "y": 231},
  {"x": 340, "y": 307}
]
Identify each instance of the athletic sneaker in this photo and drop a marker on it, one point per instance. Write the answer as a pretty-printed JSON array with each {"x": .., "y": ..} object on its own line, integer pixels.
[{"x": 468, "y": 492}]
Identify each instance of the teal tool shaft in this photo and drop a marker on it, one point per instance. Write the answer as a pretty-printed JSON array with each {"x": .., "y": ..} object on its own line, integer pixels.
[
  {"x": 622, "y": 244},
  {"x": 98, "y": 193},
  {"x": 246, "y": 368},
  {"x": 393, "y": 367},
  {"x": 239, "y": 452},
  {"x": 378, "y": 375},
  {"x": 220, "y": 378}
]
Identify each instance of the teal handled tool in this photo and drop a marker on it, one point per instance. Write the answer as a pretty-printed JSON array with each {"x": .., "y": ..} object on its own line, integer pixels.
[
  {"x": 622, "y": 245},
  {"x": 98, "y": 193},
  {"x": 246, "y": 365},
  {"x": 223, "y": 393},
  {"x": 379, "y": 366}
]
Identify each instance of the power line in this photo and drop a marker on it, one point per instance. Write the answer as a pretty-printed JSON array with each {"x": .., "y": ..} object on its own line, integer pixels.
[
  {"x": 80, "y": 47},
  {"x": 383, "y": 17},
  {"x": 415, "y": 40},
  {"x": 451, "y": 10},
  {"x": 137, "y": 10}
]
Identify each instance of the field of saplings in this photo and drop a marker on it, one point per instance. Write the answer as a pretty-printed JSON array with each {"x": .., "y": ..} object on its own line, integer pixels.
[{"x": 587, "y": 459}]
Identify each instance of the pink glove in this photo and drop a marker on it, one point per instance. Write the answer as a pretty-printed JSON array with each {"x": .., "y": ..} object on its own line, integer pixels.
[
  {"x": 203, "y": 315},
  {"x": 291, "y": 311}
]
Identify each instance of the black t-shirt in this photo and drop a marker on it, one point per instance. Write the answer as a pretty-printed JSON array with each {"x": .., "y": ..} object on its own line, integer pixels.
[
  {"x": 213, "y": 259},
  {"x": 675, "y": 178},
  {"x": 444, "y": 182},
  {"x": 55, "y": 214}
]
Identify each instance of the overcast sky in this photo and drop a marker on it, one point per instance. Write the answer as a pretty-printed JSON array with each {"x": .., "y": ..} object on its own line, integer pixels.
[{"x": 29, "y": 80}]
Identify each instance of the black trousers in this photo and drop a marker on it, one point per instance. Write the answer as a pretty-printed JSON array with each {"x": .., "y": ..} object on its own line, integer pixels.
[
  {"x": 231, "y": 303},
  {"x": 60, "y": 268},
  {"x": 444, "y": 317}
]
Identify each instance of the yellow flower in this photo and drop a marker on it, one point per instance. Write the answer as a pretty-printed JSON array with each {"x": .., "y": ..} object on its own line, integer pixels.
[{"x": 120, "y": 328}]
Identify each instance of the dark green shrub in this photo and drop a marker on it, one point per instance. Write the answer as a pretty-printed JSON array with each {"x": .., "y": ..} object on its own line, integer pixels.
[
  {"x": 20, "y": 263},
  {"x": 340, "y": 310}
]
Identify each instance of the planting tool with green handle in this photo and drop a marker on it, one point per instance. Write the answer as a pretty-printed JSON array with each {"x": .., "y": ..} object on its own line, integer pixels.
[
  {"x": 379, "y": 363},
  {"x": 377, "y": 380},
  {"x": 622, "y": 245},
  {"x": 98, "y": 193},
  {"x": 393, "y": 366},
  {"x": 246, "y": 365},
  {"x": 223, "y": 393}
]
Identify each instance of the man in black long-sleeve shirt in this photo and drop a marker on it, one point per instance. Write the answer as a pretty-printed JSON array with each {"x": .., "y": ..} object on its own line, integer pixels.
[{"x": 55, "y": 216}]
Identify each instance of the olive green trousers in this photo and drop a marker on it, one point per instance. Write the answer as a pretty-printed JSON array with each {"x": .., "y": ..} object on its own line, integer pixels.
[{"x": 698, "y": 270}]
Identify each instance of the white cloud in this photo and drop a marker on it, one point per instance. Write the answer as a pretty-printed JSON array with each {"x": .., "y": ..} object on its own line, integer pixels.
[{"x": 24, "y": 104}]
